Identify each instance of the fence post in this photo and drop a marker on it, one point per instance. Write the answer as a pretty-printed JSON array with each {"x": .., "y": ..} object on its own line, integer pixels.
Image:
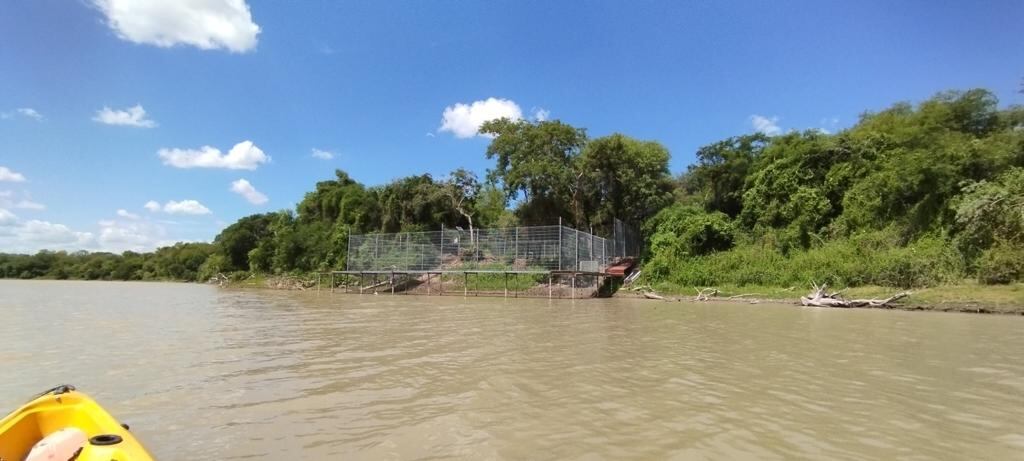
[
  {"x": 576, "y": 266},
  {"x": 559, "y": 243},
  {"x": 615, "y": 238}
]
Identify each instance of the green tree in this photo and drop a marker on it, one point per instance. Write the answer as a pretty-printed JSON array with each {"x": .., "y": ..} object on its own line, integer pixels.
[
  {"x": 721, "y": 172},
  {"x": 536, "y": 164},
  {"x": 625, "y": 178},
  {"x": 237, "y": 240},
  {"x": 463, "y": 189}
]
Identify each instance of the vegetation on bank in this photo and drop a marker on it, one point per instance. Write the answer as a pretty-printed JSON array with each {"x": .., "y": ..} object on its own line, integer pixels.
[{"x": 911, "y": 196}]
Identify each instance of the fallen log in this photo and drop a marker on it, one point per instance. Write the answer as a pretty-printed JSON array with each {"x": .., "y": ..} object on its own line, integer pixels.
[
  {"x": 653, "y": 295},
  {"x": 744, "y": 295},
  {"x": 706, "y": 294},
  {"x": 376, "y": 285},
  {"x": 820, "y": 298}
]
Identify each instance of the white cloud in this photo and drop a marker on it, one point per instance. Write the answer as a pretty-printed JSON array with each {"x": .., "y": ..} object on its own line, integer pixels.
[
  {"x": 7, "y": 218},
  {"x": 132, "y": 116},
  {"x": 30, "y": 113},
  {"x": 134, "y": 236},
  {"x": 766, "y": 125},
  {"x": 113, "y": 235},
  {"x": 34, "y": 235},
  {"x": 126, "y": 214},
  {"x": 244, "y": 156},
  {"x": 185, "y": 207},
  {"x": 152, "y": 206},
  {"x": 26, "y": 203},
  {"x": 243, "y": 188},
  {"x": 464, "y": 120},
  {"x": 323, "y": 154},
  {"x": 29, "y": 205},
  {"x": 541, "y": 114},
  {"x": 205, "y": 24},
  {"x": 7, "y": 175},
  {"x": 47, "y": 232}
]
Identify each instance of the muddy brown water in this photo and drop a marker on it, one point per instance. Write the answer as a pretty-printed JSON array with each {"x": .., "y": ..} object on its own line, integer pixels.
[{"x": 207, "y": 373}]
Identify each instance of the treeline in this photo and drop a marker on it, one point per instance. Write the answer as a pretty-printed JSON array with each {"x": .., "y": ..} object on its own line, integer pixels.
[
  {"x": 183, "y": 261},
  {"x": 549, "y": 170},
  {"x": 909, "y": 196}
]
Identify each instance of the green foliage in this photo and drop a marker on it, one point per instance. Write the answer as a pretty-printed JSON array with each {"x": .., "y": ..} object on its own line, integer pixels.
[
  {"x": 990, "y": 212},
  {"x": 491, "y": 208},
  {"x": 237, "y": 240},
  {"x": 869, "y": 259},
  {"x": 181, "y": 261},
  {"x": 537, "y": 162},
  {"x": 1001, "y": 264},
  {"x": 623, "y": 178},
  {"x": 909, "y": 196},
  {"x": 721, "y": 171}
]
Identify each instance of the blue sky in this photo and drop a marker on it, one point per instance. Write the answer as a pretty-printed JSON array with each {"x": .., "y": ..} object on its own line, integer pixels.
[{"x": 106, "y": 105}]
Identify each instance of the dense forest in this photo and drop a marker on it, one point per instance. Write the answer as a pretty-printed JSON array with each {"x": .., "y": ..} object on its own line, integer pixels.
[{"x": 908, "y": 196}]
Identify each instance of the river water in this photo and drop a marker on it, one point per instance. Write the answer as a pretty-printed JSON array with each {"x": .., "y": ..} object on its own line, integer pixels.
[{"x": 207, "y": 373}]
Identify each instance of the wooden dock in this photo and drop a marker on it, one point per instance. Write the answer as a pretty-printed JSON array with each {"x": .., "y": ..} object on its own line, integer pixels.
[{"x": 402, "y": 282}]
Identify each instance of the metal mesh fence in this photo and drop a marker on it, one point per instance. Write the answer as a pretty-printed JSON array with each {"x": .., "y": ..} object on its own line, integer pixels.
[{"x": 537, "y": 248}]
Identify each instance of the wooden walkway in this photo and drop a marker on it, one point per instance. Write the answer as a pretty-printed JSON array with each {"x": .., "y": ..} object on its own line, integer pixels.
[{"x": 403, "y": 278}]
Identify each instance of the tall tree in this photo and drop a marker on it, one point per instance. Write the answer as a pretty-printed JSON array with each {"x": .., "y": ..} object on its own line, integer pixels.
[
  {"x": 462, "y": 189},
  {"x": 722, "y": 169},
  {"x": 623, "y": 178},
  {"x": 535, "y": 163}
]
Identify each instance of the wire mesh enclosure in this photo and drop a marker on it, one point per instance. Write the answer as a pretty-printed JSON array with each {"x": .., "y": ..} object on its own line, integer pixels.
[{"x": 527, "y": 249}]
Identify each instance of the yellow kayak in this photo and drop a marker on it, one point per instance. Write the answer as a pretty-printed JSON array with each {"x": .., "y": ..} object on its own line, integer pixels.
[{"x": 63, "y": 424}]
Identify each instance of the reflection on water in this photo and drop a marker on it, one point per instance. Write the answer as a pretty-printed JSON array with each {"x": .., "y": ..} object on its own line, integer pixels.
[{"x": 206, "y": 373}]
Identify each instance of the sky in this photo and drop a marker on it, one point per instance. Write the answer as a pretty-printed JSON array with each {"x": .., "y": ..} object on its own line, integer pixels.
[{"x": 132, "y": 124}]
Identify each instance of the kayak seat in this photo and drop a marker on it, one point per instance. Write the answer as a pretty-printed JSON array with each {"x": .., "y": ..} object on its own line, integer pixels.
[{"x": 62, "y": 445}]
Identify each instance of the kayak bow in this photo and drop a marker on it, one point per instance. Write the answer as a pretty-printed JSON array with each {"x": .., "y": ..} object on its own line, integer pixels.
[{"x": 62, "y": 422}]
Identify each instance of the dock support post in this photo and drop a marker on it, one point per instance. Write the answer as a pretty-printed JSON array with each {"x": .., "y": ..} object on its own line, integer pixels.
[
  {"x": 549, "y": 285},
  {"x": 573, "y": 295},
  {"x": 361, "y": 283},
  {"x": 392, "y": 282},
  {"x": 465, "y": 284},
  {"x": 428, "y": 283},
  {"x": 506, "y": 284}
]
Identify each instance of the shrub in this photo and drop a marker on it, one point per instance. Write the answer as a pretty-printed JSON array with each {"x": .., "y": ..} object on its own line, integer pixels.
[{"x": 1001, "y": 264}]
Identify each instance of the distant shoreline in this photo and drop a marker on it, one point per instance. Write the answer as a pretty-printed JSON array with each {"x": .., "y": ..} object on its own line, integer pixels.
[{"x": 964, "y": 298}]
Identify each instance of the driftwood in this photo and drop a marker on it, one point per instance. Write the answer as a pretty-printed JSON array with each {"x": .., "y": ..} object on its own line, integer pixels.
[
  {"x": 744, "y": 295},
  {"x": 820, "y": 298},
  {"x": 653, "y": 295},
  {"x": 376, "y": 285},
  {"x": 706, "y": 294}
]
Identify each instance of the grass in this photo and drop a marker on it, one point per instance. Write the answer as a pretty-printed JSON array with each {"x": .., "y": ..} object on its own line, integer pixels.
[{"x": 963, "y": 296}]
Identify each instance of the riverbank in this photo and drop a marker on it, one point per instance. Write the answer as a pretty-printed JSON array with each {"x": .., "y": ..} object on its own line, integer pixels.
[{"x": 966, "y": 296}]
